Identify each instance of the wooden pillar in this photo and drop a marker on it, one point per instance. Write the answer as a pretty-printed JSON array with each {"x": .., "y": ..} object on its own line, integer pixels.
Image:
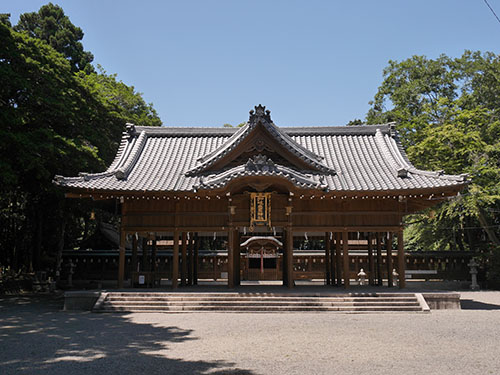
[
  {"x": 379, "y": 259},
  {"x": 345, "y": 251},
  {"x": 184, "y": 259},
  {"x": 327, "y": 259},
  {"x": 371, "y": 265},
  {"x": 145, "y": 264},
  {"x": 230, "y": 257},
  {"x": 401, "y": 260},
  {"x": 289, "y": 257},
  {"x": 121, "y": 258},
  {"x": 196, "y": 251},
  {"x": 237, "y": 272},
  {"x": 284, "y": 262},
  {"x": 175, "y": 261},
  {"x": 338, "y": 257},
  {"x": 333, "y": 272},
  {"x": 133, "y": 265},
  {"x": 153, "y": 254},
  {"x": 190, "y": 260},
  {"x": 390, "y": 279}
]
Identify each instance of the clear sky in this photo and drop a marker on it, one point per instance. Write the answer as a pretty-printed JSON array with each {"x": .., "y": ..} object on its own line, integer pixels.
[{"x": 206, "y": 63}]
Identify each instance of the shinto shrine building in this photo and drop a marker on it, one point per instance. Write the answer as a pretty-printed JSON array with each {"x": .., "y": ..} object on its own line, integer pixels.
[{"x": 259, "y": 186}]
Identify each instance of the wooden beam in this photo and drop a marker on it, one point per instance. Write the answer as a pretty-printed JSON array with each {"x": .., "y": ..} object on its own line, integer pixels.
[
  {"x": 184, "y": 259},
  {"x": 388, "y": 250},
  {"x": 284, "y": 262},
  {"x": 379, "y": 259},
  {"x": 190, "y": 260},
  {"x": 133, "y": 266},
  {"x": 401, "y": 260},
  {"x": 338, "y": 256},
  {"x": 237, "y": 255},
  {"x": 365, "y": 228},
  {"x": 371, "y": 265},
  {"x": 175, "y": 261},
  {"x": 153, "y": 253},
  {"x": 230, "y": 258},
  {"x": 145, "y": 263},
  {"x": 333, "y": 273},
  {"x": 345, "y": 251},
  {"x": 121, "y": 259},
  {"x": 196, "y": 251},
  {"x": 289, "y": 257},
  {"x": 327, "y": 258}
]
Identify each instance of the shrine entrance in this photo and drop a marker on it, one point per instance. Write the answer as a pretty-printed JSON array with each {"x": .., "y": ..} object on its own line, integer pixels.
[{"x": 260, "y": 258}]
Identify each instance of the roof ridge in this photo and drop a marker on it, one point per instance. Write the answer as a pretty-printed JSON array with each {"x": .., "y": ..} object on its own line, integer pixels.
[{"x": 262, "y": 117}]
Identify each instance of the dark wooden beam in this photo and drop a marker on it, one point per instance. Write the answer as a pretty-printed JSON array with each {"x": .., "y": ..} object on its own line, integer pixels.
[
  {"x": 390, "y": 278},
  {"x": 153, "y": 254},
  {"x": 289, "y": 257},
  {"x": 338, "y": 256},
  {"x": 379, "y": 259},
  {"x": 401, "y": 260},
  {"x": 327, "y": 258},
  {"x": 196, "y": 251},
  {"x": 345, "y": 251},
  {"x": 371, "y": 265},
  {"x": 184, "y": 259},
  {"x": 230, "y": 258},
  {"x": 237, "y": 255},
  {"x": 133, "y": 265},
  {"x": 333, "y": 272},
  {"x": 190, "y": 259},
  {"x": 175, "y": 261},
  {"x": 145, "y": 263},
  {"x": 121, "y": 259}
]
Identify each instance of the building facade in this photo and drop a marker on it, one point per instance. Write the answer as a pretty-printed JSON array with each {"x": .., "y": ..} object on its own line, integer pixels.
[{"x": 259, "y": 186}]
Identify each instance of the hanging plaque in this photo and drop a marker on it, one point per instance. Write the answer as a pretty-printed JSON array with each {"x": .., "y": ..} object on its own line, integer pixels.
[{"x": 260, "y": 209}]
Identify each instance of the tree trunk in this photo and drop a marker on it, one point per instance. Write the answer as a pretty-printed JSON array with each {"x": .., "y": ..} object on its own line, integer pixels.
[{"x": 483, "y": 220}]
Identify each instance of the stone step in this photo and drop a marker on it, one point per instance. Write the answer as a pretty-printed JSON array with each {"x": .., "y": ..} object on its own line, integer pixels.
[
  {"x": 256, "y": 303},
  {"x": 260, "y": 309},
  {"x": 260, "y": 295},
  {"x": 326, "y": 299}
]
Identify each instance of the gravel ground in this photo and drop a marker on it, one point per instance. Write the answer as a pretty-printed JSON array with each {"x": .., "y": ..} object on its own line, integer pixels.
[{"x": 37, "y": 338}]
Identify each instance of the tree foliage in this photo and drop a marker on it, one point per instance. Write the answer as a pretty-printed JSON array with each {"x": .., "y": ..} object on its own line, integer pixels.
[
  {"x": 54, "y": 27},
  {"x": 448, "y": 118},
  {"x": 57, "y": 116}
]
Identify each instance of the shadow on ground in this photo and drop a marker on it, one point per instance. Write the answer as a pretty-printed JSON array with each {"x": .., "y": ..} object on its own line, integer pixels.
[
  {"x": 36, "y": 337},
  {"x": 469, "y": 304}
]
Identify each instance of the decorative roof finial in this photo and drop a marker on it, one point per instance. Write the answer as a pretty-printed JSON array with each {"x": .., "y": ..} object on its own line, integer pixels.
[{"x": 260, "y": 113}]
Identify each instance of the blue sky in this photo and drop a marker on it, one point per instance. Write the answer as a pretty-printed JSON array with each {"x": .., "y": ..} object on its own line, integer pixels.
[{"x": 206, "y": 63}]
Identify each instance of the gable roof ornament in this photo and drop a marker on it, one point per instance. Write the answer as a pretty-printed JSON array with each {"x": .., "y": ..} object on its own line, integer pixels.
[{"x": 261, "y": 116}]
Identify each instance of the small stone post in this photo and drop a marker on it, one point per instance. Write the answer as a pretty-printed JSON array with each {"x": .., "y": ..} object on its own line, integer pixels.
[
  {"x": 362, "y": 277},
  {"x": 395, "y": 277},
  {"x": 473, "y": 272},
  {"x": 70, "y": 273}
]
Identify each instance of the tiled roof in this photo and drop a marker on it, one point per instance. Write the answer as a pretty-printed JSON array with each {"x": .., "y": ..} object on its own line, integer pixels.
[{"x": 350, "y": 158}]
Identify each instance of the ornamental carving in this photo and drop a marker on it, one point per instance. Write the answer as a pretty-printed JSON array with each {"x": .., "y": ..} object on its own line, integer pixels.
[
  {"x": 260, "y": 114},
  {"x": 260, "y": 163}
]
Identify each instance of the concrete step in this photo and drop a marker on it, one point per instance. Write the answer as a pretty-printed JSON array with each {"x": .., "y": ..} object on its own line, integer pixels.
[
  {"x": 257, "y": 302},
  {"x": 252, "y": 309},
  {"x": 328, "y": 299}
]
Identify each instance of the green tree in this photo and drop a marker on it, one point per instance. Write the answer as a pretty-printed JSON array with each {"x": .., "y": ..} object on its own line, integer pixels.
[
  {"x": 448, "y": 118},
  {"x": 52, "y": 25},
  {"x": 53, "y": 121}
]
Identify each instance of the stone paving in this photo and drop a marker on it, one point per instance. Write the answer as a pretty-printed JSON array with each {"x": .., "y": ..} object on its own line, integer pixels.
[{"x": 36, "y": 337}]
